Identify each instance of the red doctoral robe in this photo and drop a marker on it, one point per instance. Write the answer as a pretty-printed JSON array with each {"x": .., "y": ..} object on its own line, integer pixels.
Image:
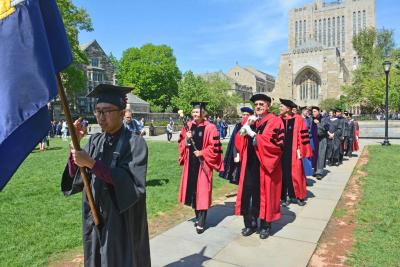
[
  {"x": 269, "y": 145},
  {"x": 300, "y": 147},
  {"x": 356, "y": 145},
  {"x": 212, "y": 158}
]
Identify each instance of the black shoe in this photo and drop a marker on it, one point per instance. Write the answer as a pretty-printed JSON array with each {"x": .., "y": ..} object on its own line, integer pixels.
[
  {"x": 199, "y": 229},
  {"x": 318, "y": 176},
  {"x": 248, "y": 231},
  {"x": 300, "y": 202},
  {"x": 264, "y": 233},
  {"x": 285, "y": 203}
]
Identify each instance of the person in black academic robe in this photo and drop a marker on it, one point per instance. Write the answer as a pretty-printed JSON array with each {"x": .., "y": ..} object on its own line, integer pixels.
[
  {"x": 334, "y": 135},
  {"x": 344, "y": 134},
  {"x": 350, "y": 140},
  {"x": 231, "y": 161},
  {"x": 116, "y": 161}
]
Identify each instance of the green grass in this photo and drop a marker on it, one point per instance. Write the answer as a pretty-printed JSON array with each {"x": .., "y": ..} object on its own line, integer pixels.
[
  {"x": 38, "y": 222},
  {"x": 377, "y": 235}
]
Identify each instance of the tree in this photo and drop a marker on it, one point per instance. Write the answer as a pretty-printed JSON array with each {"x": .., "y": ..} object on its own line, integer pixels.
[
  {"x": 114, "y": 61},
  {"x": 212, "y": 89},
  {"x": 153, "y": 73},
  {"x": 190, "y": 88},
  {"x": 221, "y": 102},
  {"x": 368, "y": 87},
  {"x": 75, "y": 19},
  {"x": 329, "y": 103}
]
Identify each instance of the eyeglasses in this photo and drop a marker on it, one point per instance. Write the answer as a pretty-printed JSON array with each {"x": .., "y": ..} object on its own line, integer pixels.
[
  {"x": 106, "y": 112},
  {"x": 259, "y": 104}
]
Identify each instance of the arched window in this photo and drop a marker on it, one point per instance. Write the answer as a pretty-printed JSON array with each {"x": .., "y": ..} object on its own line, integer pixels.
[
  {"x": 364, "y": 19},
  {"x": 329, "y": 32},
  {"x": 320, "y": 31},
  {"x": 338, "y": 31},
  {"x": 315, "y": 30},
  {"x": 324, "y": 31},
  {"x": 309, "y": 85},
  {"x": 354, "y": 24},
  {"x": 300, "y": 31},
  {"x": 333, "y": 32}
]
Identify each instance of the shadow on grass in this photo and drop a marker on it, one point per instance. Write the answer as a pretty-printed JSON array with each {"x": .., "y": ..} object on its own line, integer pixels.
[{"x": 157, "y": 182}]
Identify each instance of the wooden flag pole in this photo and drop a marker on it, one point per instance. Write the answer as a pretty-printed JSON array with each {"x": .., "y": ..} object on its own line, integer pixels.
[{"x": 75, "y": 142}]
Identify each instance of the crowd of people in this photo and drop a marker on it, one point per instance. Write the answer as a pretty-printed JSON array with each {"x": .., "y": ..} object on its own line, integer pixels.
[{"x": 268, "y": 157}]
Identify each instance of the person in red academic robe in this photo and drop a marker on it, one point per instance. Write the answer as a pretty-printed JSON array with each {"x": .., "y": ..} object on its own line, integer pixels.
[
  {"x": 297, "y": 146},
  {"x": 260, "y": 145},
  {"x": 356, "y": 136},
  {"x": 200, "y": 152}
]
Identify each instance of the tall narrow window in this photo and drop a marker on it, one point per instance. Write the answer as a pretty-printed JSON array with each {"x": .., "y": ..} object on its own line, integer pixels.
[
  {"x": 324, "y": 32},
  {"x": 333, "y": 32},
  {"x": 315, "y": 30},
  {"x": 296, "y": 34},
  {"x": 354, "y": 24},
  {"x": 305, "y": 31},
  {"x": 359, "y": 22},
  {"x": 338, "y": 32},
  {"x": 364, "y": 19},
  {"x": 343, "y": 35},
  {"x": 300, "y": 31},
  {"x": 329, "y": 32},
  {"x": 320, "y": 32}
]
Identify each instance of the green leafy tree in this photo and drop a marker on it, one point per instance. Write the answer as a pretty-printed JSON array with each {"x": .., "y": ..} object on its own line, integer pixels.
[
  {"x": 221, "y": 102},
  {"x": 329, "y": 103},
  {"x": 369, "y": 80},
  {"x": 114, "y": 62},
  {"x": 190, "y": 88},
  {"x": 212, "y": 89},
  {"x": 75, "y": 19},
  {"x": 153, "y": 73}
]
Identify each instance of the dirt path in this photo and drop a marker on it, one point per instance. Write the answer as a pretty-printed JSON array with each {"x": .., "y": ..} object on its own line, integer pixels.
[{"x": 337, "y": 239}]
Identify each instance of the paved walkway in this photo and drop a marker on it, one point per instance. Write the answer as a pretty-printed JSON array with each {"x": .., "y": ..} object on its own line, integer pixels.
[{"x": 293, "y": 240}]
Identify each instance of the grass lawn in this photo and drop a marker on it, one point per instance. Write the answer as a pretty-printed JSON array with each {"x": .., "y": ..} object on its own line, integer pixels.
[
  {"x": 377, "y": 235},
  {"x": 37, "y": 221}
]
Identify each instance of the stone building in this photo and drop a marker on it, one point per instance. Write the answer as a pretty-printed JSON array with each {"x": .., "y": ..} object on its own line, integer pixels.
[
  {"x": 248, "y": 81},
  {"x": 320, "y": 56},
  {"x": 99, "y": 70}
]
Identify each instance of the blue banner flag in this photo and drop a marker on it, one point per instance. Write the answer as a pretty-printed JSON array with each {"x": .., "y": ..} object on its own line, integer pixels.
[{"x": 33, "y": 49}]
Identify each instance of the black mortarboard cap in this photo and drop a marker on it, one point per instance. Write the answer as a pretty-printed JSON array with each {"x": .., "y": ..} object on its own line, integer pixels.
[
  {"x": 108, "y": 93},
  {"x": 262, "y": 97},
  {"x": 200, "y": 105},
  {"x": 305, "y": 107},
  {"x": 247, "y": 109},
  {"x": 288, "y": 103}
]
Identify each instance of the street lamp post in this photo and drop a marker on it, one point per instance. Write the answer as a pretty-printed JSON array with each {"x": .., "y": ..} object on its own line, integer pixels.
[{"x": 386, "y": 66}]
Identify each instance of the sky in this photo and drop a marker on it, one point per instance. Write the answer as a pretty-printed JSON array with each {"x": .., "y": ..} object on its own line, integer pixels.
[{"x": 207, "y": 35}]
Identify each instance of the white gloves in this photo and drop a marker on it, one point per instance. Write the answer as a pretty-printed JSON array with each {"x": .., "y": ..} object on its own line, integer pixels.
[{"x": 249, "y": 131}]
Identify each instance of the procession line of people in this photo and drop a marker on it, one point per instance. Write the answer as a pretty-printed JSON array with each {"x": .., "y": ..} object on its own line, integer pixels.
[{"x": 267, "y": 157}]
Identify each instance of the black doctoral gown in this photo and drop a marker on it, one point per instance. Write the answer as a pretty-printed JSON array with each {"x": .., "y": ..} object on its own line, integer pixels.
[
  {"x": 123, "y": 239},
  {"x": 231, "y": 168}
]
